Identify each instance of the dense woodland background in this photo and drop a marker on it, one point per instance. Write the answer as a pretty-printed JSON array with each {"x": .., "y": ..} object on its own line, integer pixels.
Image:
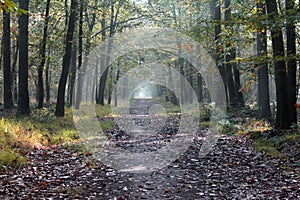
[{"x": 255, "y": 45}]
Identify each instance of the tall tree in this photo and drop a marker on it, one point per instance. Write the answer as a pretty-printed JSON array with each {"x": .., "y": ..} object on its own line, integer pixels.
[
  {"x": 282, "y": 113},
  {"x": 229, "y": 58},
  {"x": 264, "y": 111},
  {"x": 43, "y": 58},
  {"x": 60, "y": 104},
  {"x": 8, "y": 98},
  {"x": 113, "y": 18},
  {"x": 216, "y": 17},
  {"x": 91, "y": 22},
  {"x": 23, "y": 100},
  {"x": 291, "y": 61}
]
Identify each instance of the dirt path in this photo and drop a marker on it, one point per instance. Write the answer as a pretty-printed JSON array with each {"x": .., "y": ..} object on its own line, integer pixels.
[{"x": 233, "y": 170}]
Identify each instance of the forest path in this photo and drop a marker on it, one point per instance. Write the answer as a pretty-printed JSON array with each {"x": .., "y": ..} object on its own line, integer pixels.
[{"x": 233, "y": 170}]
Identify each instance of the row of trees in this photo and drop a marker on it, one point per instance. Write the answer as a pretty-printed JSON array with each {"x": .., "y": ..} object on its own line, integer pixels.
[
  {"x": 239, "y": 35},
  {"x": 23, "y": 97},
  {"x": 264, "y": 21}
]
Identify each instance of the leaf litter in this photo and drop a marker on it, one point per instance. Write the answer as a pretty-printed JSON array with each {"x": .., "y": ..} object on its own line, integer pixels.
[{"x": 233, "y": 170}]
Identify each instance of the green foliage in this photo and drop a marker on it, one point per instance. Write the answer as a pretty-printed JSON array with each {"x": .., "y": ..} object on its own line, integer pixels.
[
  {"x": 102, "y": 111},
  {"x": 19, "y": 136},
  {"x": 9, "y": 157},
  {"x": 64, "y": 136},
  {"x": 230, "y": 129},
  {"x": 272, "y": 142},
  {"x": 42, "y": 115},
  {"x": 16, "y": 139},
  {"x": 205, "y": 113},
  {"x": 268, "y": 147},
  {"x": 106, "y": 125},
  {"x": 11, "y": 6},
  {"x": 255, "y": 128},
  {"x": 8, "y": 5}
]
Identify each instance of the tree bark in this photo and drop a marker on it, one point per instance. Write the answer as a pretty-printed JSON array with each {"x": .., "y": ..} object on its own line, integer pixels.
[
  {"x": 264, "y": 111},
  {"x": 8, "y": 98},
  {"x": 78, "y": 92},
  {"x": 232, "y": 72},
  {"x": 237, "y": 85},
  {"x": 90, "y": 21},
  {"x": 60, "y": 104},
  {"x": 199, "y": 88},
  {"x": 43, "y": 58},
  {"x": 66, "y": 7},
  {"x": 14, "y": 70},
  {"x": 72, "y": 72},
  {"x": 107, "y": 57},
  {"x": 291, "y": 62},
  {"x": 282, "y": 114},
  {"x": 216, "y": 17},
  {"x": 47, "y": 73},
  {"x": 23, "y": 100},
  {"x": 110, "y": 86},
  {"x": 115, "y": 84}
]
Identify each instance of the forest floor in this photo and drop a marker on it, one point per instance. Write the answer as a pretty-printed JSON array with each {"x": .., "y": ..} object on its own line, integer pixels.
[{"x": 232, "y": 170}]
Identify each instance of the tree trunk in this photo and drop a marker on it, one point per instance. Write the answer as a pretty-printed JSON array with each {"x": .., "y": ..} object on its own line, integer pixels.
[
  {"x": 23, "y": 103},
  {"x": 232, "y": 85},
  {"x": 199, "y": 88},
  {"x": 282, "y": 114},
  {"x": 237, "y": 85},
  {"x": 72, "y": 73},
  {"x": 1, "y": 53},
  {"x": 43, "y": 58},
  {"x": 83, "y": 62},
  {"x": 107, "y": 57},
  {"x": 115, "y": 84},
  {"x": 291, "y": 63},
  {"x": 8, "y": 99},
  {"x": 78, "y": 94},
  {"x": 199, "y": 78},
  {"x": 264, "y": 111},
  {"x": 66, "y": 7},
  {"x": 47, "y": 73},
  {"x": 110, "y": 86},
  {"x": 99, "y": 99},
  {"x": 216, "y": 16},
  {"x": 60, "y": 104},
  {"x": 14, "y": 70},
  {"x": 180, "y": 65}
]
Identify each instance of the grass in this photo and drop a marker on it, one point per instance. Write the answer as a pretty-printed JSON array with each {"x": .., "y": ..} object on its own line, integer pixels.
[
  {"x": 268, "y": 140},
  {"x": 106, "y": 125},
  {"x": 268, "y": 148},
  {"x": 18, "y": 136},
  {"x": 9, "y": 157},
  {"x": 273, "y": 142},
  {"x": 278, "y": 145},
  {"x": 265, "y": 138}
]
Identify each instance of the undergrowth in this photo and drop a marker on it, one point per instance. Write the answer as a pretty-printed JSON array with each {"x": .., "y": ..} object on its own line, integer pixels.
[
  {"x": 19, "y": 135},
  {"x": 265, "y": 138}
]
